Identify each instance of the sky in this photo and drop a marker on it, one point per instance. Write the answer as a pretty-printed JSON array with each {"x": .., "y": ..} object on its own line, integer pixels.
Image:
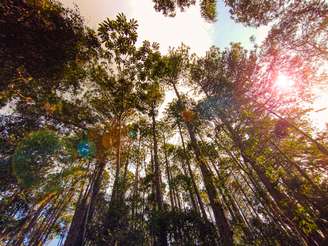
[{"x": 187, "y": 27}]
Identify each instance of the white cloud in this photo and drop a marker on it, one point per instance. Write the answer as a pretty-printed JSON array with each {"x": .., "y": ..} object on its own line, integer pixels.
[{"x": 187, "y": 27}]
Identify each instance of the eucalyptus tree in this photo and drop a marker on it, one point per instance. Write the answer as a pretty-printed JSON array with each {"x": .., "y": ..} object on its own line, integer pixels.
[
  {"x": 112, "y": 98},
  {"x": 229, "y": 98},
  {"x": 176, "y": 120},
  {"x": 151, "y": 95},
  {"x": 46, "y": 166},
  {"x": 175, "y": 64},
  {"x": 297, "y": 25}
]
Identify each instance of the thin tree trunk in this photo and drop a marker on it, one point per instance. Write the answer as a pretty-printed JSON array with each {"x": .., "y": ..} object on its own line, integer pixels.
[
  {"x": 56, "y": 216},
  {"x": 220, "y": 218},
  {"x": 117, "y": 182},
  {"x": 169, "y": 179},
  {"x": 278, "y": 196},
  {"x": 200, "y": 201},
  {"x": 84, "y": 210},
  {"x": 157, "y": 172},
  {"x": 136, "y": 184},
  {"x": 32, "y": 219}
]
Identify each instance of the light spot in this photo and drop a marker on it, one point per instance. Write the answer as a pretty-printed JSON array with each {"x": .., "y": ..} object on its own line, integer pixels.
[{"x": 284, "y": 83}]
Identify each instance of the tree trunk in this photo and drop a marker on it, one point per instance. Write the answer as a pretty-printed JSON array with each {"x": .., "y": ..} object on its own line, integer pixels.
[
  {"x": 281, "y": 200},
  {"x": 169, "y": 179},
  {"x": 117, "y": 183},
  {"x": 200, "y": 201},
  {"x": 220, "y": 218},
  {"x": 157, "y": 172},
  {"x": 284, "y": 203},
  {"x": 136, "y": 184},
  {"x": 84, "y": 210}
]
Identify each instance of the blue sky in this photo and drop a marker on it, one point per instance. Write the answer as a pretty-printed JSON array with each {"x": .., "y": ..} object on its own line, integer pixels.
[{"x": 225, "y": 30}]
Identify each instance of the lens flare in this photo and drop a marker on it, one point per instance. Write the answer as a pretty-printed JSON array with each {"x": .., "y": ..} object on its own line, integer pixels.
[{"x": 284, "y": 83}]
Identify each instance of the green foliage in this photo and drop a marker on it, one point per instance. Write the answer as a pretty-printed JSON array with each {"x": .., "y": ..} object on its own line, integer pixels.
[
  {"x": 169, "y": 7},
  {"x": 182, "y": 181},
  {"x": 261, "y": 175},
  {"x": 118, "y": 36},
  {"x": 208, "y": 10},
  {"x": 306, "y": 223},
  {"x": 33, "y": 157},
  {"x": 193, "y": 228},
  {"x": 38, "y": 40},
  {"x": 255, "y": 12},
  {"x": 272, "y": 232}
]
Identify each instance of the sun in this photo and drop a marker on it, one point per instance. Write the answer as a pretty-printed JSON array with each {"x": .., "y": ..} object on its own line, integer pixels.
[{"x": 284, "y": 83}]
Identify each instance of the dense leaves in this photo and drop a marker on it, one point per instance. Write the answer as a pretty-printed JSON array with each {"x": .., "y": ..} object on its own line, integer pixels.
[
  {"x": 38, "y": 40},
  {"x": 91, "y": 154},
  {"x": 169, "y": 7}
]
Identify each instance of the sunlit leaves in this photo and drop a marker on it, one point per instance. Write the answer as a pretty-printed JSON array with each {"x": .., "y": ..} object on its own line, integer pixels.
[
  {"x": 168, "y": 7},
  {"x": 306, "y": 222},
  {"x": 118, "y": 35},
  {"x": 208, "y": 10},
  {"x": 51, "y": 108},
  {"x": 255, "y": 12}
]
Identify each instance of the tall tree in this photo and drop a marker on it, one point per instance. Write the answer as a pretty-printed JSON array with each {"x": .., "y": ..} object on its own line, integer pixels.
[{"x": 175, "y": 63}]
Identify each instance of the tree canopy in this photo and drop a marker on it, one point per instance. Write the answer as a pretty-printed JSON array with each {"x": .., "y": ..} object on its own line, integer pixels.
[{"x": 93, "y": 154}]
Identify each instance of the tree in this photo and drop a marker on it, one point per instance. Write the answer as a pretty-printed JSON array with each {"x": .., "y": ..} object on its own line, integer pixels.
[
  {"x": 39, "y": 40},
  {"x": 235, "y": 124},
  {"x": 86, "y": 156},
  {"x": 115, "y": 91},
  {"x": 168, "y": 7},
  {"x": 175, "y": 63},
  {"x": 151, "y": 94}
]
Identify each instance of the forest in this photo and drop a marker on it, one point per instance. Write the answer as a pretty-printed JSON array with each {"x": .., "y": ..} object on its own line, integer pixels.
[{"x": 90, "y": 153}]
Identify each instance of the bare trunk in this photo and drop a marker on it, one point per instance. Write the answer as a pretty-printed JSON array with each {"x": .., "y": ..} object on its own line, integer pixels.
[
  {"x": 169, "y": 179},
  {"x": 157, "y": 173},
  {"x": 220, "y": 218},
  {"x": 116, "y": 185},
  {"x": 84, "y": 210},
  {"x": 200, "y": 201}
]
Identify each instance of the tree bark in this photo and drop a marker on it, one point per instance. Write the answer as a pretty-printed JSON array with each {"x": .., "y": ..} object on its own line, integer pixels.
[
  {"x": 157, "y": 173},
  {"x": 220, "y": 218},
  {"x": 200, "y": 201},
  {"x": 84, "y": 210}
]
